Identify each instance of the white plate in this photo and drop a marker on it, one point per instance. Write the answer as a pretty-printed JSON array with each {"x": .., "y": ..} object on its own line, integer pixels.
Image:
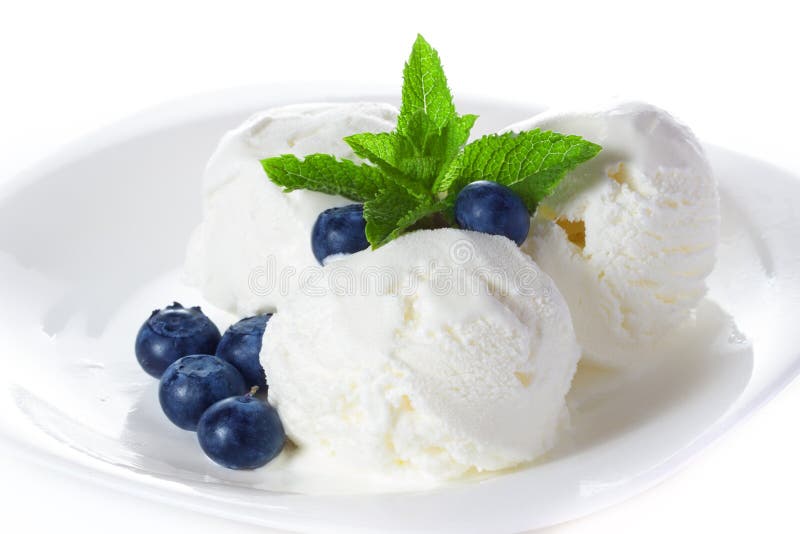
[{"x": 92, "y": 239}]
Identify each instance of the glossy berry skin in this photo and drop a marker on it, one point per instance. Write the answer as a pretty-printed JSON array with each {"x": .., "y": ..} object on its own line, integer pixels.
[
  {"x": 172, "y": 333},
  {"x": 241, "y": 433},
  {"x": 492, "y": 208},
  {"x": 339, "y": 231},
  {"x": 241, "y": 346},
  {"x": 193, "y": 383}
]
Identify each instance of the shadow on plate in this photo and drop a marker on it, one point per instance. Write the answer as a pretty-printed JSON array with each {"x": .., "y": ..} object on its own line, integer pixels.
[{"x": 695, "y": 379}]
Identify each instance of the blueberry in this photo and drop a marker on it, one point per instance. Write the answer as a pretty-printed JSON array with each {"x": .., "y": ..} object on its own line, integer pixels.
[
  {"x": 241, "y": 433},
  {"x": 241, "y": 346},
  {"x": 172, "y": 333},
  {"x": 492, "y": 208},
  {"x": 339, "y": 231},
  {"x": 193, "y": 383}
]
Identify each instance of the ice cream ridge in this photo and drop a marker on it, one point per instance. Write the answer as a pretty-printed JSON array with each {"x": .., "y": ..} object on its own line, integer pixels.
[{"x": 431, "y": 294}]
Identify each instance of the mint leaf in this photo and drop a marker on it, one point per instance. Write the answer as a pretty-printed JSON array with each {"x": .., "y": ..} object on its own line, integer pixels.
[
  {"x": 532, "y": 163},
  {"x": 426, "y": 150},
  {"x": 458, "y": 135},
  {"x": 425, "y": 88},
  {"x": 379, "y": 148},
  {"x": 415, "y": 159},
  {"x": 326, "y": 174},
  {"x": 394, "y": 210},
  {"x": 419, "y": 151}
]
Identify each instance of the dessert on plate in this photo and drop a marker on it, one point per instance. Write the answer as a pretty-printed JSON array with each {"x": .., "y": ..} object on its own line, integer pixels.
[{"x": 414, "y": 303}]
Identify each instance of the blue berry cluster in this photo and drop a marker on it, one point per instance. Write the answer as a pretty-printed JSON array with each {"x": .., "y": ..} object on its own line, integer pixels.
[{"x": 208, "y": 383}]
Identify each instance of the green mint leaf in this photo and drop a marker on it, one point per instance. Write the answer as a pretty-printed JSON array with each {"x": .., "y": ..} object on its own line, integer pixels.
[
  {"x": 425, "y": 88},
  {"x": 392, "y": 211},
  {"x": 379, "y": 148},
  {"x": 415, "y": 160},
  {"x": 457, "y": 136},
  {"x": 426, "y": 151},
  {"x": 419, "y": 150},
  {"x": 532, "y": 163},
  {"x": 326, "y": 174}
]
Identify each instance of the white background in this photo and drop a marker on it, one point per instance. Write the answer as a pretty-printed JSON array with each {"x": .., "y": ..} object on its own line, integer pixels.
[{"x": 729, "y": 70}]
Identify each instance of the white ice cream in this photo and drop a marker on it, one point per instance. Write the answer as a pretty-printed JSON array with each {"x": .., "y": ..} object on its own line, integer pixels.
[
  {"x": 254, "y": 240},
  {"x": 443, "y": 352},
  {"x": 630, "y": 236}
]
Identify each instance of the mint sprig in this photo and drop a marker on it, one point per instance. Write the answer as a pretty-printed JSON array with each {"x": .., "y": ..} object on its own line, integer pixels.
[{"x": 416, "y": 171}]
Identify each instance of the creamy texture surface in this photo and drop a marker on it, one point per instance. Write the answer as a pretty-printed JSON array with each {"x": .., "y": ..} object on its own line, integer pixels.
[
  {"x": 255, "y": 240},
  {"x": 441, "y": 353},
  {"x": 630, "y": 236}
]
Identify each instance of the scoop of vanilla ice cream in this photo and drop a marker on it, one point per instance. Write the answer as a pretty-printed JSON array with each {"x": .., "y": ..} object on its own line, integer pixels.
[
  {"x": 629, "y": 237},
  {"x": 255, "y": 240},
  {"x": 442, "y": 352}
]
